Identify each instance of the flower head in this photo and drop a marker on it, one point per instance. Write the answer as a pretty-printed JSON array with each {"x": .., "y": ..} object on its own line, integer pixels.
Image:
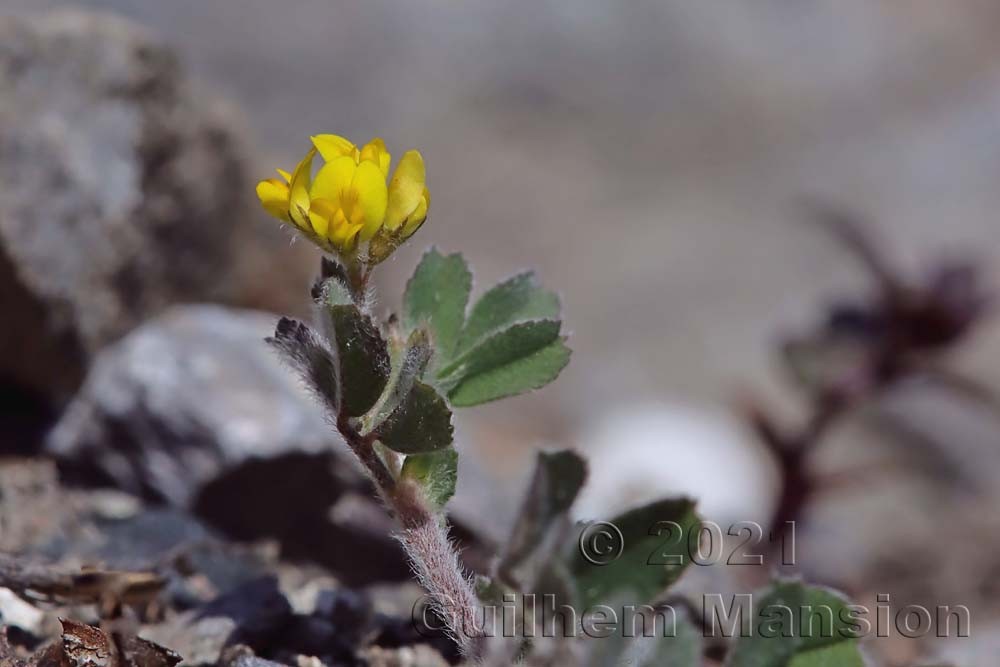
[{"x": 346, "y": 206}]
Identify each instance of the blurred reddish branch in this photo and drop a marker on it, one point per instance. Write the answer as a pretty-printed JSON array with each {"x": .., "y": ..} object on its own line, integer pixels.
[{"x": 864, "y": 347}]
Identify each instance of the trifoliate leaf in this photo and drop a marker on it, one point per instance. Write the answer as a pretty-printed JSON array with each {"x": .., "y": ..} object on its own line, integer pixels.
[
  {"x": 436, "y": 296},
  {"x": 789, "y": 619},
  {"x": 638, "y": 554},
  {"x": 515, "y": 300},
  {"x": 421, "y": 423},
  {"x": 522, "y": 357},
  {"x": 436, "y": 472}
]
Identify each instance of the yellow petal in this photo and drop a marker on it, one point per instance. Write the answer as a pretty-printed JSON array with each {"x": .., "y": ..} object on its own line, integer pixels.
[
  {"x": 333, "y": 178},
  {"x": 373, "y": 197},
  {"x": 405, "y": 189},
  {"x": 322, "y": 211},
  {"x": 418, "y": 216},
  {"x": 285, "y": 175},
  {"x": 344, "y": 236},
  {"x": 299, "y": 190},
  {"x": 343, "y": 232},
  {"x": 375, "y": 151},
  {"x": 332, "y": 146},
  {"x": 273, "y": 195}
]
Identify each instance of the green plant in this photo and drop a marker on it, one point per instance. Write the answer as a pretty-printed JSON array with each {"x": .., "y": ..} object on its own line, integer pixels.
[{"x": 390, "y": 386}]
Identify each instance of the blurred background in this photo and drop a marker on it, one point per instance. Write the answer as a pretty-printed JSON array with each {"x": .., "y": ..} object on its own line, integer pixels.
[{"x": 649, "y": 159}]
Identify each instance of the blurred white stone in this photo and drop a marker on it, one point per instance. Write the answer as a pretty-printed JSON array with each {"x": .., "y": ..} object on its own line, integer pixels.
[
  {"x": 17, "y": 613},
  {"x": 645, "y": 452}
]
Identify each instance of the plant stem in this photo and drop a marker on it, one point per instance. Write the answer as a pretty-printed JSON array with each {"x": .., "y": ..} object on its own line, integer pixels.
[{"x": 432, "y": 555}]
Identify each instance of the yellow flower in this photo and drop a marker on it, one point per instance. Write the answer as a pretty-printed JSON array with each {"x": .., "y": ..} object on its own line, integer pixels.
[{"x": 346, "y": 207}]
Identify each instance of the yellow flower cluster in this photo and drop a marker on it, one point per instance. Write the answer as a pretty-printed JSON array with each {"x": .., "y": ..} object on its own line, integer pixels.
[{"x": 347, "y": 206}]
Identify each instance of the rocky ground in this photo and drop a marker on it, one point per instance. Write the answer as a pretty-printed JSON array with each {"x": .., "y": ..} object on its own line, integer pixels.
[{"x": 100, "y": 576}]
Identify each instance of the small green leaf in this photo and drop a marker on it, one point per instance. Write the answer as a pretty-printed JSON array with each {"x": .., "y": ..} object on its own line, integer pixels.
[
  {"x": 362, "y": 356},
  {"x": 638, "y": 554},
  {"x": 329, "y": 269},
  {"x": 436, "y": 295},
  {"x": 421, "y": 424},
  {"x": 335, "y": 292},
  {"x": 525, "y": 356},
  {"x": 503, "y": 347},
  {"x": 554, "y": 486},
  {"x": 531, "y": 372},
  {"x": 790, "y": 618},
  {"x": 515, "y": 300},
  {"x": 408, "y": 365},
  {"x": 844, "y": 654},
  {"x": 436, "y": 472}
]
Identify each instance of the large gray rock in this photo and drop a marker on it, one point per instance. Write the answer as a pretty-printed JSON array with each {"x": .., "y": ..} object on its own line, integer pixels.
[
  {"x": 194, "y": 409},
  {"x": 185, "y": 397},
  {"x": 121, "y": 191}
]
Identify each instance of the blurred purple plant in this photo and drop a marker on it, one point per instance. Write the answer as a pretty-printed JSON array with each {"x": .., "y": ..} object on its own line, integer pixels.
[{"x": 867, "y": 345}]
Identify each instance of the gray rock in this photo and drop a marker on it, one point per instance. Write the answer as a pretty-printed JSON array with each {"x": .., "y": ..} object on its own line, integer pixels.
[
  {"x": 121, "y": 191},
  {"x": 186, "y": 397},
  {"x": 194, "y": 409}
]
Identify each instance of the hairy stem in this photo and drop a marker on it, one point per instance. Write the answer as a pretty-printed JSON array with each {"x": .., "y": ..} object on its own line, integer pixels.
[{"x": 432, "y": 555}]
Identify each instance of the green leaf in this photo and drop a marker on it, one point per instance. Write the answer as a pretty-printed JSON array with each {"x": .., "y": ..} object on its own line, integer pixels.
[
  {"x": 421, "y": 424},
  {"x": 503, "y": 347},
  {"x": 436, "y": 296},
  {"x": 333, "y": 291},
  {"x": 515, "y": 300},
  {"x": 531, "y": 372},
  {"x": 526, "y": 356},
  {"x": 408, "y": 365},
  {"x": 789, "y": 619},
  {"x": 436, "y": 472},
  {"x": 554, "y": 486},
  {"x": 362, "y": 355},
  {"x": 844, "y": 654},
  {"x": 637, "y": 554}
]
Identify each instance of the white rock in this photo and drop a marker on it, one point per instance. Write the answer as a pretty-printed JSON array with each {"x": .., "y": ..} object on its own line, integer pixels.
[{"x": 645, "y": 452}]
